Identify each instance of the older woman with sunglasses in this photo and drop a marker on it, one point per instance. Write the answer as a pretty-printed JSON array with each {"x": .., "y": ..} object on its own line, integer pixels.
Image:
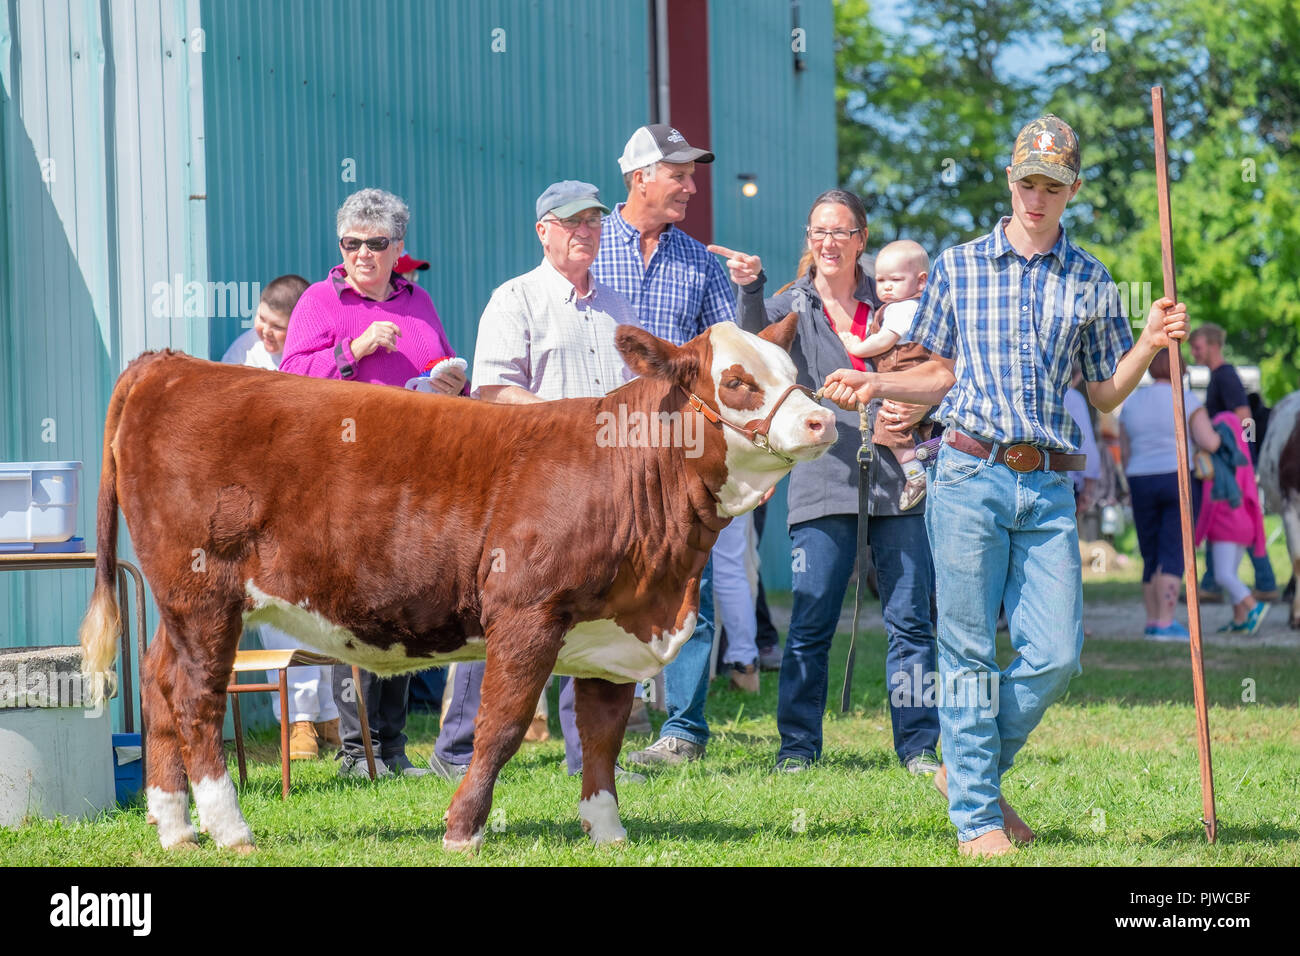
[{"x": 365, "y": 323}]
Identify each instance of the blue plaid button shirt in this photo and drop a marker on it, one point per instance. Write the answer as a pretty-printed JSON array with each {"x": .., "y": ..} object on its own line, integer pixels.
[
  {"x": 682, "y": 293},
  {"x": 1014, "y": 326}
]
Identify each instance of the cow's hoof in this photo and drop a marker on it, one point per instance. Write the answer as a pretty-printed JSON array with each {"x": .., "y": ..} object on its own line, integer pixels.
[
  {"x": 182, "y": 847},
  {"x": 599, "y": 815},
  {"x": 470, "y": 846},
  {"x": 244, "y": 849}
]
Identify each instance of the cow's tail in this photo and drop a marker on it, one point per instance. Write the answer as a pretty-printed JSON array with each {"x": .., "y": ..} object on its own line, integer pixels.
[{"x": 102, "y": 625}]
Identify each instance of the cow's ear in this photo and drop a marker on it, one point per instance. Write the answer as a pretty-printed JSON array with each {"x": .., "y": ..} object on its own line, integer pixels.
[
  {"x": 781, "y": 333},
  {"x": 651, "y": 357}
]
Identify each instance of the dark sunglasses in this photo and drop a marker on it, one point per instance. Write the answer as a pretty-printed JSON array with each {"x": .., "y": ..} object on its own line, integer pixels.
[{"x": 352, "y": 243}]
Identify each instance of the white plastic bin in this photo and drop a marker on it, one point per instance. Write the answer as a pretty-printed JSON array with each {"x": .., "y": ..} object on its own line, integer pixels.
[{"x": 38, "y": 500}]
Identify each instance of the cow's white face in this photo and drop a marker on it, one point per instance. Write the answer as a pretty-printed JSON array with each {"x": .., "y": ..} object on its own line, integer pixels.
[{"x": 750, "y": 375}]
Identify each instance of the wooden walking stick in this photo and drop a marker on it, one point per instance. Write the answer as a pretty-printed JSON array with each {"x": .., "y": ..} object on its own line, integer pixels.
[{"x": 1184, "y": 478}]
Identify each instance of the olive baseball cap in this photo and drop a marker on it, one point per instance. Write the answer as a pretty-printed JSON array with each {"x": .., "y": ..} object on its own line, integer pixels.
[{"x": 1046, "y": 147}]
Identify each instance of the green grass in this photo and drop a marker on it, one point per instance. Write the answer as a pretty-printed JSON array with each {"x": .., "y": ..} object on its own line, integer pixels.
[{"x": 1109, "y": 778}]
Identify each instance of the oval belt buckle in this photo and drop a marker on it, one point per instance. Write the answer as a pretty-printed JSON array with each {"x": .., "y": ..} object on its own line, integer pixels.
[{"x": 1023, "y": 458}]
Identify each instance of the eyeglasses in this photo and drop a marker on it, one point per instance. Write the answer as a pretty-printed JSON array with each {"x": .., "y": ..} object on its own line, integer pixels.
[
  {"x": 573, "y": 222},
  {"x": 377, "y": 244},
  {"x": 840, "y": 235}
]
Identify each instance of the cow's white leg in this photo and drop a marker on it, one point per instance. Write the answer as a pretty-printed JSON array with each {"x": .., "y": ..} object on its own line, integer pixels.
[
  {"x": 170, "y": 810},
  {"x": 600, "y": 820},
  {"x": 219, "y": 812},
  {"x": 1291, "y": 527},
  {"x": 471, "y": 845}
]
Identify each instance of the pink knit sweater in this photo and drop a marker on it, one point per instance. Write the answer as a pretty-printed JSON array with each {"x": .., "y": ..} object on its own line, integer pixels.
[
  {"x": 330, "y": 312},
  {"x": 1219, "y": 521}
]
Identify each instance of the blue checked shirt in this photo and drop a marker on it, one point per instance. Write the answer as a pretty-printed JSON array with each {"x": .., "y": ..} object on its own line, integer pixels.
[
  {"x": 684, "y": 290},
  {"x": 1014, "y": 326}
]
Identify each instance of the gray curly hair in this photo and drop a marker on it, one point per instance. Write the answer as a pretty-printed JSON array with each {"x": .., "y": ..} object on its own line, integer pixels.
[{"x": 374, "y": 209}]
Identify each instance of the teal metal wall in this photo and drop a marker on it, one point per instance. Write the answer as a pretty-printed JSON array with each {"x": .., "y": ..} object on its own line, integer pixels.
[
  {"x": 466, "y": 110},
  {"x": 99, "y": 121},
  {"x": 777, "y": 124},
  {"x": 146, "y": 149}
]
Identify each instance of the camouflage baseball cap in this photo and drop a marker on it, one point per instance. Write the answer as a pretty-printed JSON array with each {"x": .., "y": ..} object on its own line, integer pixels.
[{"x": 1048, "y": 147}]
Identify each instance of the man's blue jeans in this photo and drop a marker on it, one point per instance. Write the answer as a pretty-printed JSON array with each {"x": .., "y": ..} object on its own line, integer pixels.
[
  {"x": 686, "y": 679},
  {"x": 999, "y": 537},
  {"x": 824, "y": 553}
]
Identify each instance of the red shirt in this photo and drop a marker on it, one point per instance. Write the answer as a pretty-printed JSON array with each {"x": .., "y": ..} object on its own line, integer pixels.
[{"x": 861, "y": 319}]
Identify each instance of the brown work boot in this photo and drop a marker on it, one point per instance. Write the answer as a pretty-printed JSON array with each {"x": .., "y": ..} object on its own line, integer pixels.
[
  {"x": 538, "y": 730},
  {"x": 302, "y": 741},
  {"x": 327, "y": 732},
  {"x": 744, "y": 677},
  {"x": 993, "y": 843}
]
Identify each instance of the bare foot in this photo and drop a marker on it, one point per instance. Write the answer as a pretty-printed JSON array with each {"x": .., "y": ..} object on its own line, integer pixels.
[
  {"x": 1016, "y": 828},
  {"x": 993, "y": 843}
]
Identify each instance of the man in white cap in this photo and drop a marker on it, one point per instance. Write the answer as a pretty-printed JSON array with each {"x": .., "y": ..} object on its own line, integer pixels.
[
  {"x": 679, "y": 290},
  {"x": 546, "y": 334}
]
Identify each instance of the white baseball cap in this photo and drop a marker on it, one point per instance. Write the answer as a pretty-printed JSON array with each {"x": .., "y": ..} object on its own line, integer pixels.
[{"x": 659, "y": 143}]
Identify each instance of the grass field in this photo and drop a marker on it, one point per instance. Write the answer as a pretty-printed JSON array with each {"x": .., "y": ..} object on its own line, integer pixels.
[{"x": 1109, "y": 778}]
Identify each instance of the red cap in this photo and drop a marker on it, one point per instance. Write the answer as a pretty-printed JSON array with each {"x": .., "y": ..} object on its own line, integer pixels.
[{"x": 407, "y": 264}]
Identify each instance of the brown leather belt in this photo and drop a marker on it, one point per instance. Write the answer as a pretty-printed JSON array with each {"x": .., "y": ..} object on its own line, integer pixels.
[{"x": 1019, "y": 457}]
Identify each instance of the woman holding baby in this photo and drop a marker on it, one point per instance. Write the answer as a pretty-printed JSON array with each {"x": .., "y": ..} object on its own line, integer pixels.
[{"x": 838, "y": 305}]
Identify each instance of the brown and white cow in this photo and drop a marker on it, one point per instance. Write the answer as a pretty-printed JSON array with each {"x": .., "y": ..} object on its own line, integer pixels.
[
  {"x": 399, "y": 530},
  {"x": 1279, "y": 480}
]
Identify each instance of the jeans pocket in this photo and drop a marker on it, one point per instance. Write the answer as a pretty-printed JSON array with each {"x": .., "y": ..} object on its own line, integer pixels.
[{"x": 951, "y": 469}]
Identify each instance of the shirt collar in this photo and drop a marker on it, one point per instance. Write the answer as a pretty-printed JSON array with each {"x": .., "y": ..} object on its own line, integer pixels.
[
  {"x": 628, "y": 233},
  {"x": 562, "y": 287},
  {"x": 997, "y": 244},
  {"x": 339, "y": 280}
]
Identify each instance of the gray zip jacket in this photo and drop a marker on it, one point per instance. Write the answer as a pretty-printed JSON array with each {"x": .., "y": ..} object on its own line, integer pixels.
[{"x": 829, "y": 485}]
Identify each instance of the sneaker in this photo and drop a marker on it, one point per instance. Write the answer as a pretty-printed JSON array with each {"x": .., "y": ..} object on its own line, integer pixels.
[
  {"x": 744, "y": 677},
  {"x": 623, "y": 775},
  {"x": 354, "y": 765},
  {"x": 913, "y": 492},
  {"x": 446, "y": 769},
  {"x": 769, "y": 658},
  {"x": 1268, "y": 597},
  {"x": 1254, "y": 619},
  {"x": 792, "y": 765},
  {"x": 638, "y": 721},
  {"x": 669, "y": 751},
  {"x": 923, "y": 764},
  {"x": 1207, "y": 596},
  {"x": 400, "y": 763},
  {"x": 302, "y": 741},
  {"x": 1173, "y": 632}
]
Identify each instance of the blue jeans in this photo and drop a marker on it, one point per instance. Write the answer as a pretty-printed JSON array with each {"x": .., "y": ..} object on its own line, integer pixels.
[
  {"x": 825, "y": 550},
  {"x": 999, "y": 538},
  {"x": 686, "y": 679}
]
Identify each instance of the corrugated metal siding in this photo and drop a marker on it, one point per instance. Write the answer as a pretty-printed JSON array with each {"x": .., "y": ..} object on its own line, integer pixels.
[
  {"x": 778, "y": 125},
  {"x": 413, "y": 94},
  {"x": 106, "y": 106}
]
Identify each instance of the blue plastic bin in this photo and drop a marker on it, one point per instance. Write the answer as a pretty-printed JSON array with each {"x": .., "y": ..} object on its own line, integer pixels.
[{"x": 128, "y": 768}]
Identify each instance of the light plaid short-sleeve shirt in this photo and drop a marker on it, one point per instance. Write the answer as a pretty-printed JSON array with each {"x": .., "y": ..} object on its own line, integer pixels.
[
  {"x": 1014, "y": 327},
  {"x": 539, "y": 334}
]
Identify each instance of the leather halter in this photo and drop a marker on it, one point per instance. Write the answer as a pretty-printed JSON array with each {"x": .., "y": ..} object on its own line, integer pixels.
[{"x": 755, "y": 431}]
